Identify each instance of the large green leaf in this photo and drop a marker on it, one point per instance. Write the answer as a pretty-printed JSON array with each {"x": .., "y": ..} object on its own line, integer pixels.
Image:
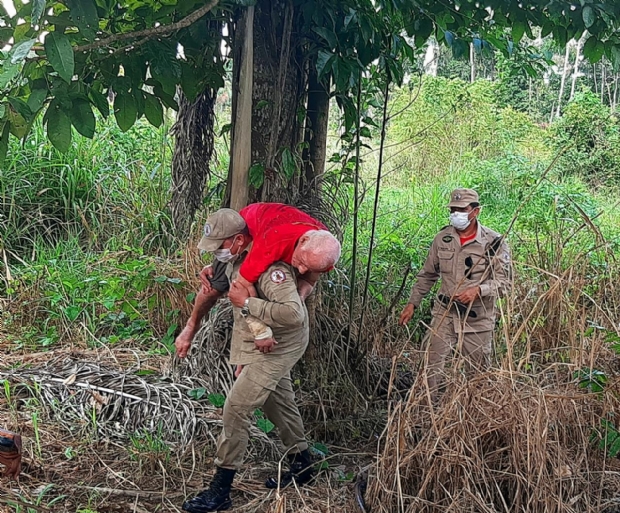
[
  {"x": 60, "y": 55},
  {"x": 4, "y": 141},
  {"x": 9, "y": 72},
  {"x": 37, "y": 98},
  {"x": 100, "y": 101},
  {"x": 84, "y": 13},
  {"x": 288, "y": 163},
  {"x": 125, "y": 110},
  {"x": 589, "y": 16},
  {"x": 58, "y": 127},
  {"x": 593, "y": 49},
  {"x": 19, "y": 52},
  {"x": 37, "y": 10},
  {"x": 153, "y": 110},
  {"x": 323, "y": 62},
  {"x": 82, "y": 118}
]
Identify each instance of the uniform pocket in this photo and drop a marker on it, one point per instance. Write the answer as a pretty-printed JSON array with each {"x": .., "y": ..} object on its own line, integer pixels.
[{"x": 446, "y": 261}]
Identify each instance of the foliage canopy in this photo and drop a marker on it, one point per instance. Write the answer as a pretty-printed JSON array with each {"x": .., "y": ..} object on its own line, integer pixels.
[{"x": 63, "y": 59}]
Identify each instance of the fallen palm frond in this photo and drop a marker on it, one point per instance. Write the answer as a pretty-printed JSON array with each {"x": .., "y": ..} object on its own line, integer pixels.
[
  {"x": 116, "y": 404},
  {"x": 501, "y": 442}
]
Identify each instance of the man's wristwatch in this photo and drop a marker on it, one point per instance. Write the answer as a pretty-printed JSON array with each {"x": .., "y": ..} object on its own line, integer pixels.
[{"x": 245, "y": 309}]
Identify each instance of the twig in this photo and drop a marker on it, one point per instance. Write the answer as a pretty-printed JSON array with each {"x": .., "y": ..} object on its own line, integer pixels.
[{"x": 162, "y": 30}]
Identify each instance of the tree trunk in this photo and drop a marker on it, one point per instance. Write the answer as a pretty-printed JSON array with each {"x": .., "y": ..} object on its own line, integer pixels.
[
  {"x": 315, "y": 134},
  {"x": 472, "y": 63},
  {"x": 240, "y": 158},
  {"x": 563, "y": 81},
  {"x": 278, "y": 92},
  {"x": 193, "y": 150},
  {"x": 576, "y": 67}
]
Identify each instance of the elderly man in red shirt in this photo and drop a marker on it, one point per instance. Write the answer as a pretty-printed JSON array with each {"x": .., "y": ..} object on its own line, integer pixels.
[{"x": 279, "y": 233}]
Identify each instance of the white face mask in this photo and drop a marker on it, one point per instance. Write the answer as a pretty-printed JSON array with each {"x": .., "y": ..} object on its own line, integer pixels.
[
  {"x": 225, "y": 256},
  {"x": 460, "y": 220}
]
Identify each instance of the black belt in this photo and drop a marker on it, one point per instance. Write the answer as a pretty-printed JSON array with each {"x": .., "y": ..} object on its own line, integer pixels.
[{"x": 462, "y": 308}]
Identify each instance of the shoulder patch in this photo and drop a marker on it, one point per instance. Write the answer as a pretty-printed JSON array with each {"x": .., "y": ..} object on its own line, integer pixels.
[
  {"x": 278, "y": 276},
  {"x": 447, "y": 238}
]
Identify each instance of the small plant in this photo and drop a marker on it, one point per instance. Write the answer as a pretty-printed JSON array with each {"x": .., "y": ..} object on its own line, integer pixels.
[
  {"x": 149, "y": 448},
  {"x": 607, "y": 437},
  {"x": 263, "y": 423}
]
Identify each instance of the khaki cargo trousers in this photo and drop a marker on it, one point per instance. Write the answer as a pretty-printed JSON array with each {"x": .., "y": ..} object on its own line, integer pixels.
[
  {"x": 449, "y": 331},
  {"x": 264, "y": 384}
]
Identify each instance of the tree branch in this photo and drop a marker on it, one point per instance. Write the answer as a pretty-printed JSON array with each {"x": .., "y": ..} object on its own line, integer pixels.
[{"x": 162, "y": 30}]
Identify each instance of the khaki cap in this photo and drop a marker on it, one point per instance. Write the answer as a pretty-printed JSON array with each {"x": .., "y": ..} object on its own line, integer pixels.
[
  {"x": 220, "y": 226},
  {"x": 462, "y": 198}
]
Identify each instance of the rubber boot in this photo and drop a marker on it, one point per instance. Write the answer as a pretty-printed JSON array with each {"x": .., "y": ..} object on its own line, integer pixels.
[
  {"x": 301, "y": 471},
  {"x": 214, "y": 498}
]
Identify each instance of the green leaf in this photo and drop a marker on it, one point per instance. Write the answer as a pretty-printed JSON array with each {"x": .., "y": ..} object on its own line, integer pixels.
[
  {"x": 9, "y": 72},
  {"x": 153, "y": 110},
  {"x": 265, "y": 425},
  {"x": 72, "y": 312},
  {"x": 2, "y": 110},
  {"x": 19, "y": 52},
  {"x": 546, "y": 29},
  {"x": 256, "y": 175},
  {"x": 58, "y": 127},
  {"x": 83, "y": 118},
  {"x": 449, "y": 37},
  {"x": 37, "y": 98},
  {"x": 323, "y": 62},
  {"x": 60, "y": 55},
  {"x": 100, "y": 101},
  {"x": 84, "y": 13},
  {"x": 593, "y": 49},
  {"x": 327, "y": 35},
  {"x": 288, "y": 163},
  {"x": 4, "y": 141},
  {"x": 518, "y": 29},
  {"x": 588, "y": 15},
  {"x": 125, "y": 110},
  {"x": 216, "y": 400},
  {"x": 365, "y": 132},
  {"x": 21, "y": 107},
  {"x": 320, "y": 449},
  {"x": 37, "y": 10},
  {"x": 197, "y": 393},
  {"x": 614, "y": 450}
]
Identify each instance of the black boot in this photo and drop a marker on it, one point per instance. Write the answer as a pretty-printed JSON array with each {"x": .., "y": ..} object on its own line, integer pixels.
[
  {"x": 216, "y": 497},
  {"x": 301, "y": 471}
]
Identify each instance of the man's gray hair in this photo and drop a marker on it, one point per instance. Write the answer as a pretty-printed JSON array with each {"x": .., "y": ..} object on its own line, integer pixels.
[{"x": 324, "y": 248}]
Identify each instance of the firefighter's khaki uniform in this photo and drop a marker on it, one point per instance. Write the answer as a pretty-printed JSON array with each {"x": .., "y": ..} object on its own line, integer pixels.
[
  {"x": 478, "y": 263},
  {"x": 265, "y": 381}
]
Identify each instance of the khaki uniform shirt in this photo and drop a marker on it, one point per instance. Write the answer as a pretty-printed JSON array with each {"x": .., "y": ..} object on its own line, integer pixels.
[
  {"x": 279, "y": 306},
  {"x": 462, "y": 267}
]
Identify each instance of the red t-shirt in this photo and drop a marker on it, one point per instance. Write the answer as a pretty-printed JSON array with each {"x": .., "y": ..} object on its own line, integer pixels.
[
  {"x": 275, "y": 228},
  {"x": 465, "y": 240}
]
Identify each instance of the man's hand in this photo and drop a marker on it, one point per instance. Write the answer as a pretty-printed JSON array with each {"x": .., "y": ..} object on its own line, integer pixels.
[
  {"x": 468, "y": 295},
  {"x": 406, "y": 314},
  {"x": 237, "y": 294},
  {"x": 304, "y": 288},
  {"x": 238, "y": 370},
  {"x": 205, "y": 274},
  {"x": 265, "y": 345},
  {"x": 184, "y": 341}
]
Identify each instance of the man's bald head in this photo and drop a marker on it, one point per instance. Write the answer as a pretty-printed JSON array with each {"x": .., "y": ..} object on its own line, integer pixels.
[{"x": 317, "y": 251}]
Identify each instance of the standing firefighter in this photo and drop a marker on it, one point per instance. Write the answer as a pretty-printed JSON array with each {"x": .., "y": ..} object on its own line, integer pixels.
[{"x": 473, "y": 263}]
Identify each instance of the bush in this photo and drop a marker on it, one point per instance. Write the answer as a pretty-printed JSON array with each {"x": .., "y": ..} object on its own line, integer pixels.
[{"x": 592, "y": 135}]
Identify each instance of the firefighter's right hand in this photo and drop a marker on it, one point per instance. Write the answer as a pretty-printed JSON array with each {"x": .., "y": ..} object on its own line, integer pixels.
[
  {"x": 205, "y": 275},
  {"x": 184, "y": 341},
  {"x": 406, "y": 314}
]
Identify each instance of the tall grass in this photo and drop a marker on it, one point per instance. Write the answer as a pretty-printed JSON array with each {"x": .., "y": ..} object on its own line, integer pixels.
[{"x": 109, "y": 192}]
